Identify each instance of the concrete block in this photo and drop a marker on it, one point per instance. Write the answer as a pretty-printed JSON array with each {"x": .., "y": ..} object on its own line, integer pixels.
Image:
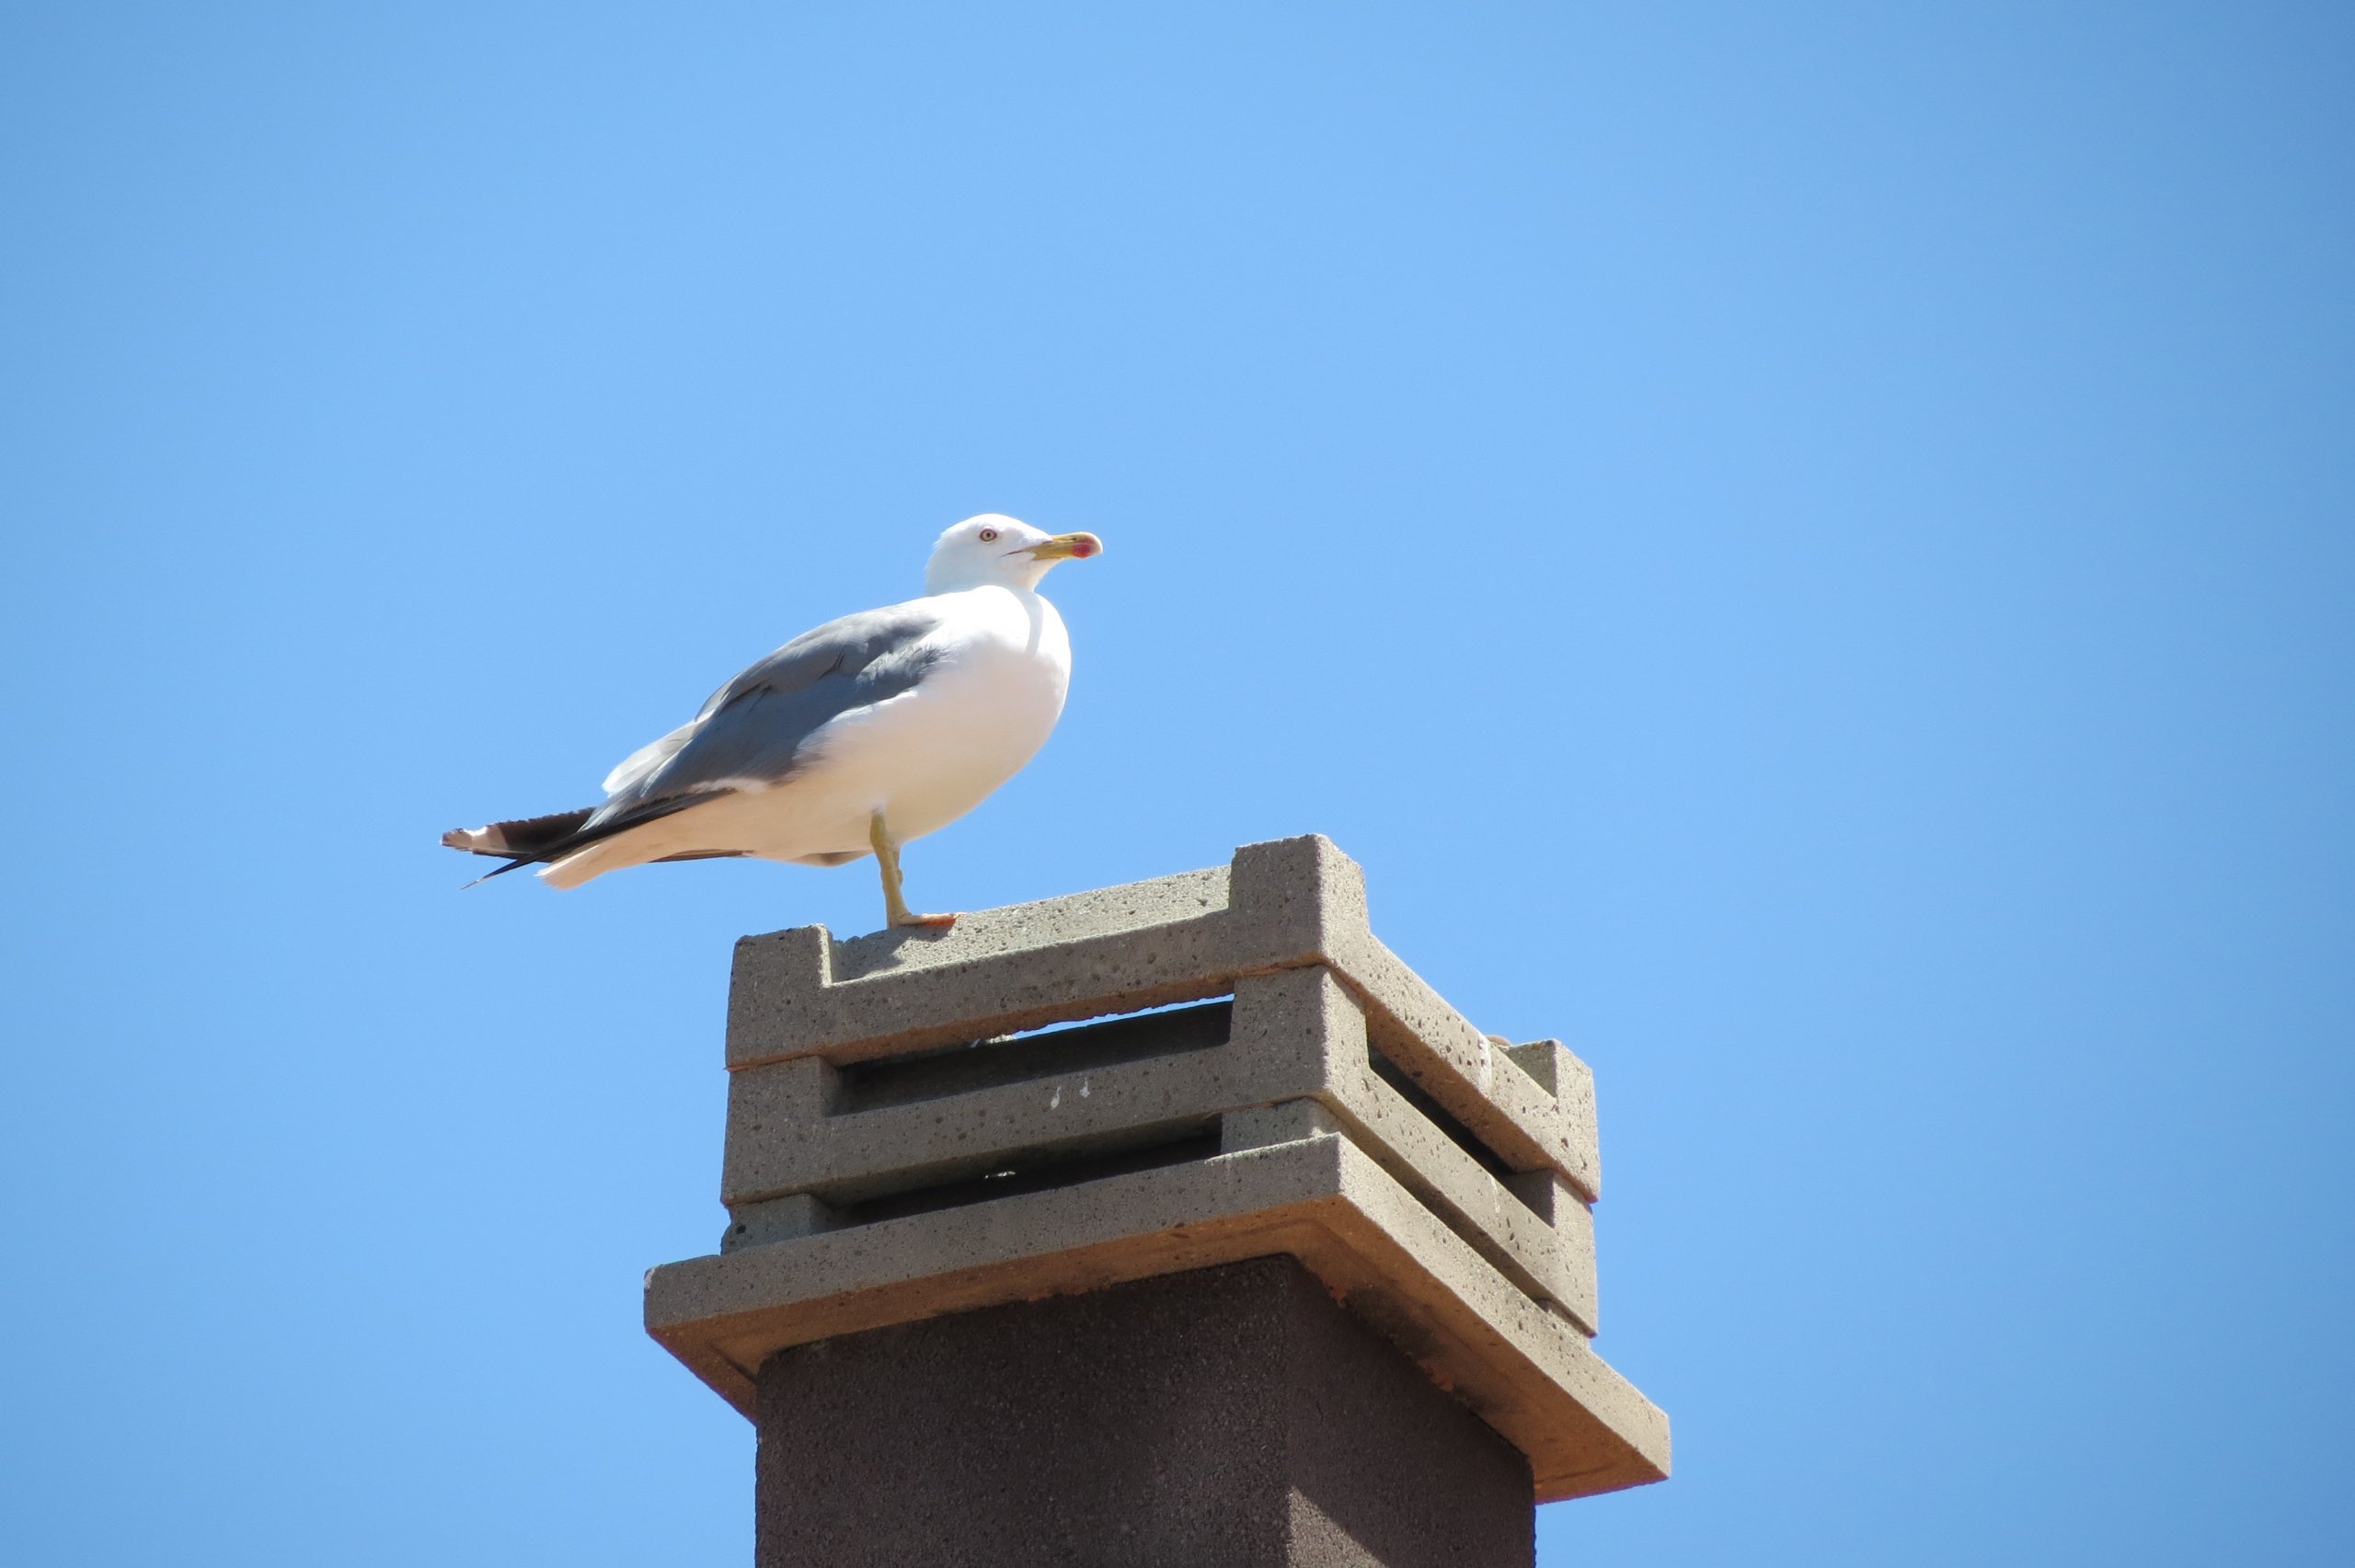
[
  {"x": 860, "y": 1134},
  {"x": 1560, "y": 1073},
  {"x": 1287, "y": 904},
  {"x": 1061, "y": 1097},
  {"x": 782, "y": 1218},
  {"x": 1264, "y": 1126},
  {"x": 1458, "y": 1066},
  {"x": 997, "y": 971},
  {"x": 1559, "y": 1205},
  {"x": 1513, "y": 1219},
  {"x": 779, "y": 1143},
  {"x": 1515, "y": 1363}
]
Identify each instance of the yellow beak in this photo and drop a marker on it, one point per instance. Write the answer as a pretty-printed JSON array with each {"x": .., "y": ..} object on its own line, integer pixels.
[{"x": 1068, "y": 547}]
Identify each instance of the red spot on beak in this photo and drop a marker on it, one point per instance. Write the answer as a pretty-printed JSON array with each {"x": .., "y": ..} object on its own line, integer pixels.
[{"x": 1070, "y": 547}]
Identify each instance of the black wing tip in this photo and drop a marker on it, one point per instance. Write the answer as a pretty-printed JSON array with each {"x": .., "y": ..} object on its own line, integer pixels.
[
  {"x": 515, "y": 865},
  {"x": 533, "y": 838}
]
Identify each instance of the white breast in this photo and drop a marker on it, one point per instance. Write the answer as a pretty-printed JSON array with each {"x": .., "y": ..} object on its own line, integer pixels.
[{"x": 929, "y": 755}]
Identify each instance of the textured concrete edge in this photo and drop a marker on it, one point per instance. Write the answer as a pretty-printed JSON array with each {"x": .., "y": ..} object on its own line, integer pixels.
[
  {"x": 816, "y": 1287},
  {"x": 772, "y": 999},
  {"x": 1284, "y": 904},
  {"x": 1479, "y": 1082},
  {"x": 1561, "y": 1073},
  {"x": 1531, "y": 1375},
  {"x": 1123, "y": 910},
  {"x": 784, "y": 1136},
  {"x": 997, "y": 971},
  {"x": 1399, "y": 1239}
]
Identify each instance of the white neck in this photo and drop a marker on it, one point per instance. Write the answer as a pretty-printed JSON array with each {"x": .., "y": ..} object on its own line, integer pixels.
[{"x": 1016, "y": 578}]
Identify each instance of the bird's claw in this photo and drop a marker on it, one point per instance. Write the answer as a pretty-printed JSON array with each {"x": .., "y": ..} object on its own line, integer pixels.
[{"x": 926, "y": 923}]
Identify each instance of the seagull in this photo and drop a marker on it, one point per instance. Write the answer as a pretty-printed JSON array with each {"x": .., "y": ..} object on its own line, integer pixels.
[{"x": 849, "y": 740}]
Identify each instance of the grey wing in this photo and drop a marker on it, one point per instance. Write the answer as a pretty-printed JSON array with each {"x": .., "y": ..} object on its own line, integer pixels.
[{"x": 759, "y": 724}]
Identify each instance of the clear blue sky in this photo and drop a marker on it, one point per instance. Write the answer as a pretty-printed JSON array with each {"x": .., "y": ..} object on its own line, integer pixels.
[{"x": 1805, "y": 547}]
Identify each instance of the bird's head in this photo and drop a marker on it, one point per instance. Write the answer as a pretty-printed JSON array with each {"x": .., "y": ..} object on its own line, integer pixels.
[{"x": 994, "y": 549}]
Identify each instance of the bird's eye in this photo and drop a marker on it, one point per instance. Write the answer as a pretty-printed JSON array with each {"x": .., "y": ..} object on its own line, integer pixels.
[{"x": 988, "y": 534}]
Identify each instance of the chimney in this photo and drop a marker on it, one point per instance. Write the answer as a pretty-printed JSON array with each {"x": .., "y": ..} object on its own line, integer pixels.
[{"x": 1177, "y": 1224}]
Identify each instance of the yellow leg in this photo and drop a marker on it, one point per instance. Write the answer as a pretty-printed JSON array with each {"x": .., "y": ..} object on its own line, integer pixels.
[{"x": 886, "y": 856}]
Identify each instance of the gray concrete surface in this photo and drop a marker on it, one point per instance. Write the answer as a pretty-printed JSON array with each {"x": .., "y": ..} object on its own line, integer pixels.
[
  {"x": 1294, "y": 1035},
  {"x": 1231, "y": 1418},
  {"x": 929, "y": 1124},
  {"x": 1517, "y": 1364},
  {"x": 1286, "y": 904}
]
